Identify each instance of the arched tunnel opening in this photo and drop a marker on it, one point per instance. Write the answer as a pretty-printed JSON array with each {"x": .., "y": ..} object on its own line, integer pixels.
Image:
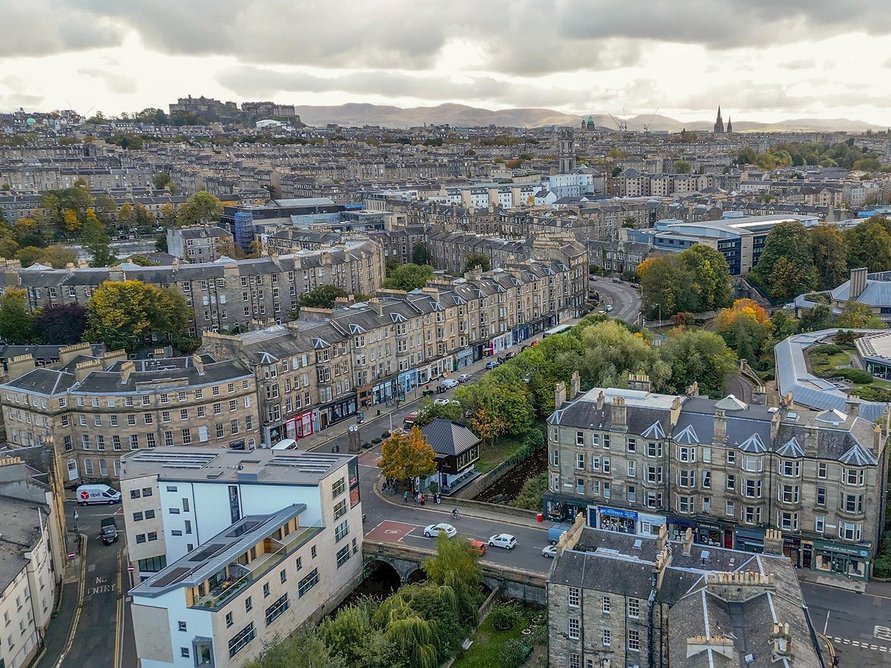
[
  {"x": 379, "y": 580},
  {"x": 416, "y": 576}
]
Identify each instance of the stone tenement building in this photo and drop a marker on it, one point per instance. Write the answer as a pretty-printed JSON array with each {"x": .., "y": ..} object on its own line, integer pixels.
[
  {"x": 91, "y": 410},
  {"x": 224, "y": 295},
  {"x": 330, "y": 364},
  {"x": 632, "y": 461},
  {"x": 616, "y": 600}
]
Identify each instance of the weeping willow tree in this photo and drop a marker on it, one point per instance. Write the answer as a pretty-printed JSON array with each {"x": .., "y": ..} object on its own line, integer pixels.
[
  {"x": 457, "y": 566},
  {"x": 410, "y": 635}
]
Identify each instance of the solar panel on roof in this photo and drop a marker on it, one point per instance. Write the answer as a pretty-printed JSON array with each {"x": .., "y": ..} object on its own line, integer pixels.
[
  {"x": 173, "y": 576},
  {"x": 208, "y": 552}
]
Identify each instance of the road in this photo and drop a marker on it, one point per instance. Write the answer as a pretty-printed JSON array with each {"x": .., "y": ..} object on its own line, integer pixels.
[
  {"x": 859, "y": 625},
  {"x": 97, "y": 637},
  {"x": 624, "y": 298}
]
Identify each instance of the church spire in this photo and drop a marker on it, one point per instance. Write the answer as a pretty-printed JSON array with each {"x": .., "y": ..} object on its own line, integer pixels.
[
  {"x": 729, "y": 125},
  {"x": 719, "y": 124}
]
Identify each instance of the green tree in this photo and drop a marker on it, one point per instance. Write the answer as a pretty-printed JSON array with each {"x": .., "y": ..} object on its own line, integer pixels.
[
  {"x": 858, "y": 316},
  {"x": 168, "y": 215},
  {"x": 98, "y": 243},
  {"x": 16, "y": 323},
  {"x": 700, "y": 356},
  {"x": 161, "y": 180},
  {"x": 408, "y": 277},
  {"x": 355, "y": 638},
  {"x": 61, "y": 324},
  {"x": 122, "y": 314},
  {"x": 323, "y": 296},
  {"x": 711, "y": 276},
  {"x": 666, "y": 287},
  {"x": 478, "y": 260},
  {"x": 200, "y": 209},
  {"x": 304, "y": 648},
  {"x": 788, "y": 244},
  {"x": 817, "y": 318},
  {"x": 420, "y": 254},
  {"x": 682, "y": 167},
  {"x": 456, "y": 566},
  {"x": 783, "y": 324},
  {"x": 829, "y": 255},
  {"x": 407, "y": 456},
  {"x": 869, "y": 244},
  {"x": 28, "y": 255},
  {"x": 611, "y": 352}
]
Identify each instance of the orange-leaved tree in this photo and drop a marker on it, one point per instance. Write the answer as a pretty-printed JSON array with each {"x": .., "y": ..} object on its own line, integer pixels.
[
  {"x": 407, "y": 456},
  {"x": 741, "y": 307}
]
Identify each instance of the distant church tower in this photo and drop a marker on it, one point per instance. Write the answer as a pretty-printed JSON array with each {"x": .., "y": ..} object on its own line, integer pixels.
[
  {"x": 729, "y": 125},
  {"x": 719, "y": 124},
  {"x": 567, "y": 151}
]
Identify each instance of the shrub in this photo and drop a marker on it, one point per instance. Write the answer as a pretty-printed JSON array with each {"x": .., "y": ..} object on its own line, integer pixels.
[
  {"x": 515, "y": 653},
  {"x": 858, "y": 376},
  {"x": 826, "y": 349},
  {"x": 504, "y": 617}
]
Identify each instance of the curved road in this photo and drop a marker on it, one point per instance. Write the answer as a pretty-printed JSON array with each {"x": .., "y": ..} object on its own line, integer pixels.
[{"x": 624, "y": 298}]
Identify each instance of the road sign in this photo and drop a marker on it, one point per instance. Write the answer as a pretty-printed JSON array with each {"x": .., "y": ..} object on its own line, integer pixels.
[
  {"x": 72, "y": 555},
  {"x": 130, "y": 569}
]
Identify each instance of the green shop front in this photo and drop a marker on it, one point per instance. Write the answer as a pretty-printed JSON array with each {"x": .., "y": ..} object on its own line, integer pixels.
[{"x": 842, "y": 559}]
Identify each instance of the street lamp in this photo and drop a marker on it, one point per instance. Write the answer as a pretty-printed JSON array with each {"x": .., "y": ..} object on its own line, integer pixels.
[{"x": 659, "y": 306}]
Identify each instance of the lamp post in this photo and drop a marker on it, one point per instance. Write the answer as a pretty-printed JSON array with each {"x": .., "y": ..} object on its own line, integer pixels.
[{"x": 659, "y": 306}]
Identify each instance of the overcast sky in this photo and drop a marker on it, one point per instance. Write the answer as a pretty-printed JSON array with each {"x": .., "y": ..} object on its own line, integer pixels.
[{"x": 761, "y": 60}]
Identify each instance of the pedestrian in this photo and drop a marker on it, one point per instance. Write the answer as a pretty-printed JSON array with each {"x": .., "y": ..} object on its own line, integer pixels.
[
  {"x": 422, "y": 499},
  {"x": 405, "y": 496}
]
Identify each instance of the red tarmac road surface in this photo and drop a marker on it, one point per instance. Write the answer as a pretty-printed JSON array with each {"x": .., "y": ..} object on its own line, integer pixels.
[{"x": 390, "y": 531}]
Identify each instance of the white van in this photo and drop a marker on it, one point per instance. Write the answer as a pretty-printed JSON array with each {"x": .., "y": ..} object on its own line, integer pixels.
[
  {"x": 90, "y": 494},
  {"x": 286, "y": 444}
]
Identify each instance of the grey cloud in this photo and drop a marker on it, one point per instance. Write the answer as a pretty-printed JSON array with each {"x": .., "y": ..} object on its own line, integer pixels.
[
  {"x": 251, "y": 81},
  {"x": 114, "y": 81},
  {"x": 41, "y": 27},
  {"x": 520, "y": 36},
  {"x": 742, "y": 96}
]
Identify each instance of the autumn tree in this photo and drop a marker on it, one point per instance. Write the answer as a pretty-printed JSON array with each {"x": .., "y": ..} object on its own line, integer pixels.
[
  {"x": 168, "y": 215},
  {"x": 200, "y": 209},
  {"x": 123, "y": 314},
  {"x": 407, "y": 456},
  {"x": 58, "y": 257},
  {"x": 16, "y": 323},
  {"x": 97, "y": 242},
  {"x": 487, "y": 425},
  {"x": 855, "y": 315}
]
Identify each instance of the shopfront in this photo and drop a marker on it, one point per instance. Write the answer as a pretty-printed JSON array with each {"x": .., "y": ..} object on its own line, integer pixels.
[
  {"x": 560, "y": 508},
  {"x": 407, "y": 381},
  {"x": 792, "y": 549},
  {"x": 649, "y": 524},
  {"x": 384, "y": 392},
  {"x": 497, "y": 345},
  {"x": 749, "y": 540},
  {"x": 520, "y": 333},
  {"x": 336, "y": 411},
  {"x": 615, "y": 519},
  {"x": 849, "y": 560},
  {"x": 463, "y": 358},
  {"x": 713, "y": 534},
  {"x": 677, "y": 528}
]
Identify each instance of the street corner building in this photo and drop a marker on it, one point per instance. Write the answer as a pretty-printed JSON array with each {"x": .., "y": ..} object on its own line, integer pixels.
[
  {"x": 233, "y": 550},
  {"x": 631, "y": 461},
  {"x": 618, "y": 600}
]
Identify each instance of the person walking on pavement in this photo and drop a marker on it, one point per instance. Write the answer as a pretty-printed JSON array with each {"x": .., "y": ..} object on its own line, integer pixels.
[{"x": 405, "y": 496}]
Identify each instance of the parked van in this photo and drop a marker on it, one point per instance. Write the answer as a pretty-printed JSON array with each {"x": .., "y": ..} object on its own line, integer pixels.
[
  {"x": 286, "y": 444},
  {"x": 556, "y": 530},
  {"x": 91, "y": 494}
]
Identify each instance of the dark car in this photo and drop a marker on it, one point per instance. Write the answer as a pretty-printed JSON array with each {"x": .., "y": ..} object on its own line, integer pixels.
[{"x": 108, "y": 530}]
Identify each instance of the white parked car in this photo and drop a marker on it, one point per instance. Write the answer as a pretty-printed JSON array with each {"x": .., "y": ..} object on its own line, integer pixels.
[
  {"x": 549, "y": 551},
  {"x": 432, "y": 530},
  {"x": 441, "y": 401},
  {"x": 449, "y": 383},
  {"x": 464, "y": 377},
  {"x": 503, "y": 540}
]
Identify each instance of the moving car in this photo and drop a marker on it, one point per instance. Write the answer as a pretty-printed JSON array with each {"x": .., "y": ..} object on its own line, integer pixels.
[
  {"x": 108, "y": 530},
  {"x": 464, "y": 377},
  {"x": 479, "y": 547},
  {"x": 448, "y": 384},
  {"x": 432, "y": 530},
  {"x": 609, "y": 307},
  {"x": 491, "y": 364},
  {"x": 549, "y": 551},
  {"x": 409, "y": 421},
  {"x": 503, "y": 540},
  {"x": 92, "y": 494}
]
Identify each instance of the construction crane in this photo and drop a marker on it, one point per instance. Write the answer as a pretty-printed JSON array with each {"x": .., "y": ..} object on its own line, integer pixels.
[
  {"x": 646, "y": 126},
  {"x": 621, "y": 123}
]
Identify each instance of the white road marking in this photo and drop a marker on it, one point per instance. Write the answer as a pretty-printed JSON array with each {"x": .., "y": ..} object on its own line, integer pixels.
[
  {"x": 826, "y": 623},
  {"x": 861, "y": 645}
]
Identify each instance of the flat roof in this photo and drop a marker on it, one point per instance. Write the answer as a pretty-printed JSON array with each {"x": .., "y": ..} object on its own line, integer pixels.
[
  {"x": 211, "y": 465},
  {"x": 632, "y": 397}
]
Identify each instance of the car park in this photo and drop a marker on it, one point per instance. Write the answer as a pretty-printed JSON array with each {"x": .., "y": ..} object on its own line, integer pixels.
[
  {"x": 503, "y": 540},
  {"x": 464, "y": 377},
  {"x": 549, "y": 551},
  {"x": 433, "y": 530}
]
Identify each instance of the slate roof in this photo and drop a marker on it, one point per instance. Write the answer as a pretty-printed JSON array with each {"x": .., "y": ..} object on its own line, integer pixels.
[
  {"x": 21, "y": 530},
  {"x": 449, "y": 438}
]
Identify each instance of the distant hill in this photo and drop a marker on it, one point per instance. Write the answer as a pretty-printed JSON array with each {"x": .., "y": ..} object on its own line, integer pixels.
[{"x": 357, "y": 114}]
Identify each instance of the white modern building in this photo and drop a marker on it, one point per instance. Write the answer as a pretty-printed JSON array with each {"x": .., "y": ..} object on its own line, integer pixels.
[{"x": 235, "y": 549}]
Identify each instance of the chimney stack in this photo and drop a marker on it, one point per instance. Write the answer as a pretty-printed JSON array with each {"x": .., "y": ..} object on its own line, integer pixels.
[
  {"x": 619, "y": 414},
  {"x": 852, "y": 406},
  {"x": 773, "y": 541},
  {"x": 600, "y": 400},
  {"x": 559, "y": 395},
  {"x": 639, "y": 381},
  {"x": 693, "y": 390},
  {"x": 198, "y": 363},
  {"x": 688, "y": 542},
  {"x": 575, "y": 384},
  {"x": 720, "y": 426}
]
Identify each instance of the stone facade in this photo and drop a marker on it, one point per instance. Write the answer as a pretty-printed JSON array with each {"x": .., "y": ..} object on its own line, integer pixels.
[
  {"x": 631, "y": 461},
  {"x": 91, "y": 410}
]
